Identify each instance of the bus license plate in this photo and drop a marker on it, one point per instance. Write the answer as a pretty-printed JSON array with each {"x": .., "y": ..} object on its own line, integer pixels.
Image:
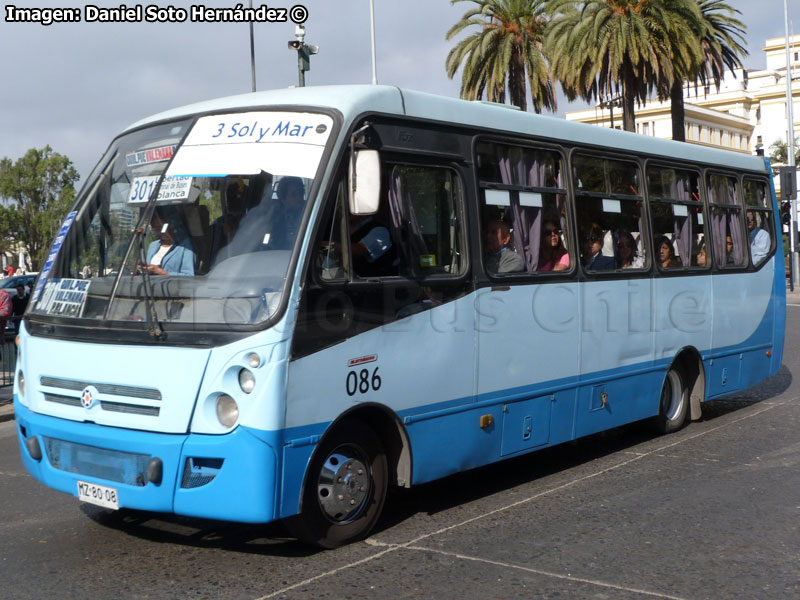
[{"x": 98, "y": 494}]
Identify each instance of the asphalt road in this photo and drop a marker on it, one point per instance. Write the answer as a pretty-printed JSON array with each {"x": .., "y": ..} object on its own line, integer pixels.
[{"x": 711, "y": 511}]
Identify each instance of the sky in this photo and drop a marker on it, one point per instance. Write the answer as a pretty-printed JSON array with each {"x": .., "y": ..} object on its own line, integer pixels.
[{"x": 75, "y": 86}]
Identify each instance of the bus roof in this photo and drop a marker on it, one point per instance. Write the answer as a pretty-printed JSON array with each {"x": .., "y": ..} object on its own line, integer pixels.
[{"x": 353, "y": 100}]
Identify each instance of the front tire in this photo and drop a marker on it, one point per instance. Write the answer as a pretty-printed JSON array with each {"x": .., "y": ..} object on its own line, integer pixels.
[
  {"x": 345, "y": 488},
  {"x": 674, "y": 402}
]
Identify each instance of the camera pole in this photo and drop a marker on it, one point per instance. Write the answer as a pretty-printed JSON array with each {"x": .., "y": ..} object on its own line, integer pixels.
[{"x": 304, "y": 52}]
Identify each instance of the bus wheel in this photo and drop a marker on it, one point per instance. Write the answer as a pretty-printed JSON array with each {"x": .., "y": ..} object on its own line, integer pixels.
[
  {"x": 345, "y": 488},
  {"x": 674, "y": 403}
]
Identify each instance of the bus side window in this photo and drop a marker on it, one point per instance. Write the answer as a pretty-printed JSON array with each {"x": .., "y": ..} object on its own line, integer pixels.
[
  {"x": 678, "y": 224},
  {"x": 726, "y": 226},
  {"x": 759, "y": 220},
  {"x": 417, "y": 231},
  {"x": 434, "y": 220},
  {"x": 524, "y": 209},
  {"x": 608, "y": 208}
]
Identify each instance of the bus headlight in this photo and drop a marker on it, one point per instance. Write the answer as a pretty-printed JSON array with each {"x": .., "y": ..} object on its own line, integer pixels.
[
  {"x": 254, "y": 359},
  {"x": 21, "y": 383},
  {"x": 247, "y": 381},
  {"x": 227, "y": 410}
]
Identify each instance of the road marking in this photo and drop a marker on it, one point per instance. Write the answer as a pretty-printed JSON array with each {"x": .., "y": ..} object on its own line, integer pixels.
[
  {"x": 3, "y": 474},
  {"x": 389, "y": 548},
  {"x": 326, "y": 573},
  {"x": 567, "y": 577}
]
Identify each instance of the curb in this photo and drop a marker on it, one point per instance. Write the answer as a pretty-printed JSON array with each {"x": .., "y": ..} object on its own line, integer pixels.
[{"x": 7, "y": 411}]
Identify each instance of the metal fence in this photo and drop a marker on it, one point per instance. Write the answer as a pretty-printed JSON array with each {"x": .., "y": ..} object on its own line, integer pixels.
[{"x": 8, "y": 351}]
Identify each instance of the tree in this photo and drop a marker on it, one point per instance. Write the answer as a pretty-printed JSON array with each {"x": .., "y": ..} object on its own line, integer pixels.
[
  {"x": 779, "y": 151},
  {"x": 719, "y": 37},
  {"x": 505, "y": 53},
  {"x": 603, "y": 48},
  {"x": 39, "y": 190}
]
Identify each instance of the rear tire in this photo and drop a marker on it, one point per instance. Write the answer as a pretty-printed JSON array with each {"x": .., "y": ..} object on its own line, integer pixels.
[
  {"x": 674, "y": 402},
  {"x": 345, "y": 488}
]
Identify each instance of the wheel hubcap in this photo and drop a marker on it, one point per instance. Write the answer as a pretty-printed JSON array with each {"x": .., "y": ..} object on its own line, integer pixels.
[{"x": 344, "y": 485}]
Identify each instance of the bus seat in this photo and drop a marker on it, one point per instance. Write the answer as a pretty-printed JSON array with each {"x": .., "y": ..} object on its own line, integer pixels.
[{"x": 609, "y": 245}]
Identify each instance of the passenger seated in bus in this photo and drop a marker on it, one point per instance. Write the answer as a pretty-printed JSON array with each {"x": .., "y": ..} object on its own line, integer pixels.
[
  {"x": 730, "y": 259},
  {"x": 700, "y": 259},
  {"x": 287, "y": 214},
  {"x": 627, "y": 254},
  {"x": 374, "y": 255},
  {"x": 172, "y": 253},
  {"x": 223, "y": 228},
  {"x": 593, "y": 257},
  {"x": 666, "y": 253},
  {"x": 500, "y": 258},
  {"x": 759, "y": 239},
  {"x": 553, "y": 256}
]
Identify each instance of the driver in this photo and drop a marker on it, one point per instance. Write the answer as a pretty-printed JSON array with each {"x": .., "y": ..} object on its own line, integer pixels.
[{"x": 172, "y": 253}]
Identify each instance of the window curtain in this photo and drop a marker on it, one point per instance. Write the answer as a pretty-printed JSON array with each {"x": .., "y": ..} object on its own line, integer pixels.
[
  {"x": 405, "y": 227},
  {"x": 527, "y": 232},
  {"x": 720, "y": 224},
  {"x": 528, "y": 171},
  {"x": 735, "y": 228},
  {"x": 728, "y": 189},
  {"x": 760, "y": 194},
  {"x": 726, "y": 222},
  {"x": 682, "y": 226},
  {"x": 682, "y": 232},
  {"x": 731, "y": 193},
  {"x": 640, "y": 246},
  {"x": 504, "y": 162},
  {"x": 562, "y": 216}
]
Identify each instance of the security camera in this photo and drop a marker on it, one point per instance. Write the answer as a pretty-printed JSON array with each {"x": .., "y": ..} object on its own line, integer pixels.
[{"x": 295, "y": 45}]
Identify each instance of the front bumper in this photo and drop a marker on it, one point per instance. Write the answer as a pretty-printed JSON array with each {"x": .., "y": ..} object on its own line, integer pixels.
[{"x": 232, "y": 477}]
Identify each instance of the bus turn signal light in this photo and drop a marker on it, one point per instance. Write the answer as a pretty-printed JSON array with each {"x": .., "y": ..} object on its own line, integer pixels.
[{"x": 486, "y": 421}]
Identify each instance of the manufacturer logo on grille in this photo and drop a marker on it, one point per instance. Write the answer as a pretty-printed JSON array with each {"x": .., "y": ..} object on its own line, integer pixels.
[{"x": 87, "y": 396}]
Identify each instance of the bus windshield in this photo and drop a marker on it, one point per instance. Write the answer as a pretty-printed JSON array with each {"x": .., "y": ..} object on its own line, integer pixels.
[{"x": 213, "y": 247}]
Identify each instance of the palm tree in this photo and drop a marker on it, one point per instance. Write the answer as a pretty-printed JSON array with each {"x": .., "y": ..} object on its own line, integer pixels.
[
  {"x": 607, "y": 48},
  {"x": 779, "y": 151},
  {"x": 719, "y": 38},
  {"x": 507, "y": 48}
]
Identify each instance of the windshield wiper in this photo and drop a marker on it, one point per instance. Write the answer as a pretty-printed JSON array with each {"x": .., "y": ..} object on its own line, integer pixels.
[
  {"x": 151, "y": 316},
  {"x": 154, "y": 327}
]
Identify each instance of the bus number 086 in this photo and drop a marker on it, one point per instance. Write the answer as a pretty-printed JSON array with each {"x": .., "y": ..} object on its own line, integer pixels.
[{"x": 360, "y": 382}]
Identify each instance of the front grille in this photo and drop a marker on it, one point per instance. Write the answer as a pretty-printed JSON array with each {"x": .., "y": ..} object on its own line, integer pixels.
[
  {"x": 104, "y": 388},
  {"x": 131, "y": 409},
  {"x": 110, "y": 465},
  {"x": 125, "y": 397},
  {"x": 68, "y": 400}
]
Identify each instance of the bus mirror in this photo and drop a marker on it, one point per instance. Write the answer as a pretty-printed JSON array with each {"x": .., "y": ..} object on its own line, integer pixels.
[{"x": 365, "y": 182}]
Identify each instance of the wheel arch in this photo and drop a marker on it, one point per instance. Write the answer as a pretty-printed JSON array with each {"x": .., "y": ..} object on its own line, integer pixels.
[
  {"x": 389, "y": 429},
  {"x": 690, "y": 362}
]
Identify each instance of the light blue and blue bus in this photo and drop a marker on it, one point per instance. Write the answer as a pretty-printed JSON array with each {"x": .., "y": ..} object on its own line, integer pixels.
[{"x": 277, "y": 305}]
